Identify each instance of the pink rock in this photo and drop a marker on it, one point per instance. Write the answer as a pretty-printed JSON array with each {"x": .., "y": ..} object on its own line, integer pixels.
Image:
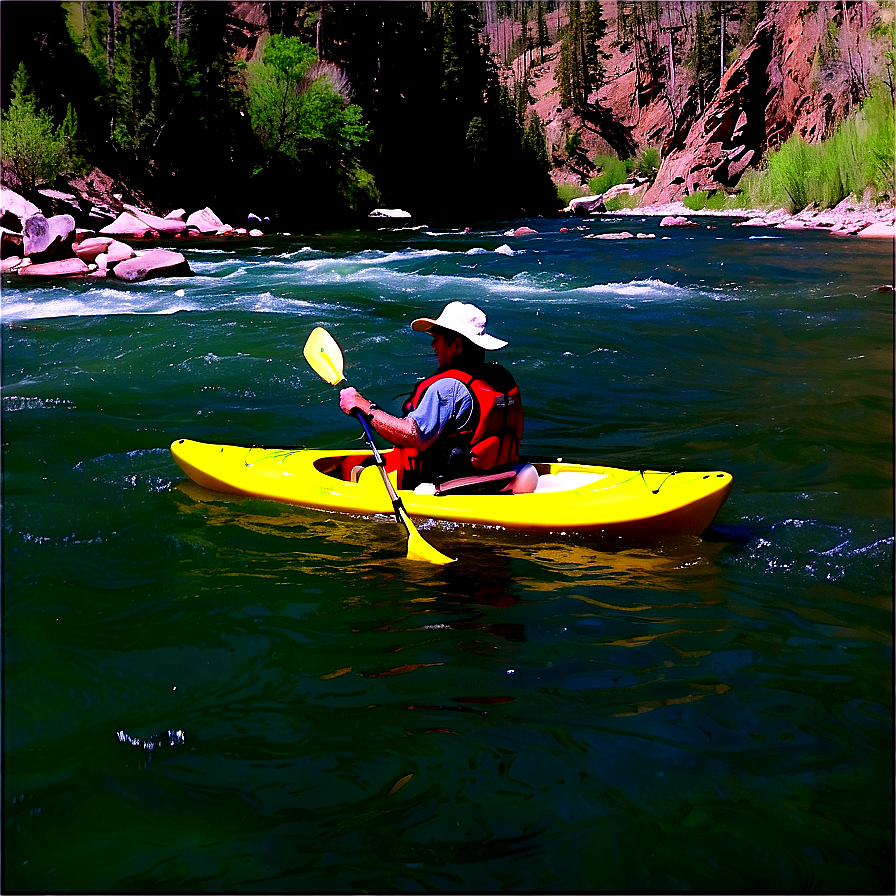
[
  {"x": 205, "y": 221},
  {"x": 65, "y": 267},
  {"x": 9, "y": 264},
  {"x": 118, "y": 251},
  {"x": 256, "y": 232},
  {"x": 127, "y": 224},
  {"x": 676, "y": 221},
  {"x": 523, "y": 231},
  {"x": 888, "y": 231},
  {"x": 88, "y": 249},
  {"x": 14, "y": 204},
  {"x": 154, "y": 263},
  {"x": 167, "y": 226},
  {"x": 43, "y": 233}
]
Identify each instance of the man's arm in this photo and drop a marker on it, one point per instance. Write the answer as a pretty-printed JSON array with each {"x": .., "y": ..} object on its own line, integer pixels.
[{"x": 401, "y": 431}]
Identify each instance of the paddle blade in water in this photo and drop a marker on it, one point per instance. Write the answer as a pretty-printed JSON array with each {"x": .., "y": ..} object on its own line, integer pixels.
[
  {"x": 324, "y": 356},
  {"x": 418, "y": 547}
]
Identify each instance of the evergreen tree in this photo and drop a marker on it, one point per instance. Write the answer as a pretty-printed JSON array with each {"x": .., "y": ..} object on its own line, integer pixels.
[
  {"x": 36, "y": 34},
  {"x": 31, "y": 145},
  {"x": 544, "y": 39},
  {"x": 595, "y": 29},
  {"x": 703, "y": 59}
]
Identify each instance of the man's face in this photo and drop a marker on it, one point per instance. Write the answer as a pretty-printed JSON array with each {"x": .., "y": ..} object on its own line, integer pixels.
[{"x": 446, "y": 345}]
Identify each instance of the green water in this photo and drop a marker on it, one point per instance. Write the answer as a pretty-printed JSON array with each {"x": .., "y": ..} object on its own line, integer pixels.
[{"x": 205, "y": 693}]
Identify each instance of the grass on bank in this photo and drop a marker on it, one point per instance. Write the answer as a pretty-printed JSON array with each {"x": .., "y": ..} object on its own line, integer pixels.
[
  {"x": 859, "y": 155},
  {"x": 613, "y": 171}
]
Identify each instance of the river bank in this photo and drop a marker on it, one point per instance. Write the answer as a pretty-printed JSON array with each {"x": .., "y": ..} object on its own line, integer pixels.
[{"x": 849, "y": 218}]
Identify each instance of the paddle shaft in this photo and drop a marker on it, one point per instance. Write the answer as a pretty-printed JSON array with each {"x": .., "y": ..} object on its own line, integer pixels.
[{"x": 378, "y": 458}]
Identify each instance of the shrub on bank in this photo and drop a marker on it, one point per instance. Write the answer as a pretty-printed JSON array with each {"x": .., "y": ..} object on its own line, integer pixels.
[
  {"x": 567, "y": 192},
  {"x": 613, "y": 171}
]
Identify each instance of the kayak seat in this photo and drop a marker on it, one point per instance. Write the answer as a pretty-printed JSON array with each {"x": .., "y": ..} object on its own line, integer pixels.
[{"x": 517, "y": 479}]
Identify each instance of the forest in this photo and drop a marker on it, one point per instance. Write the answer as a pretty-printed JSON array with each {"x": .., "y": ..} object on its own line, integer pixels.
[
  {"x": 320, "y": 111},
  {"x": 354, "y": 104}
]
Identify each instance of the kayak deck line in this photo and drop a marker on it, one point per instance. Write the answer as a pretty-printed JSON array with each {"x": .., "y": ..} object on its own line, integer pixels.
[{"x": 568, "y": 497}]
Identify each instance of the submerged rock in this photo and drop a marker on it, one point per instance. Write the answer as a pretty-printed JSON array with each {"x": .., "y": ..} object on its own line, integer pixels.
[
  {"x": 154, "y": 263},
  {"x": 676, "y": 221}
]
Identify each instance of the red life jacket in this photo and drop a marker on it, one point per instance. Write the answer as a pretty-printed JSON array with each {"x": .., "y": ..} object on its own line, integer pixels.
[{"x": 491, "y": 439}]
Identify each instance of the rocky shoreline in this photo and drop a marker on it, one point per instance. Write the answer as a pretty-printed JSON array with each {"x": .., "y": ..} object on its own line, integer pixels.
[
  {"x": 849, "y": 218},
  {"x": 35, "y": 244}
]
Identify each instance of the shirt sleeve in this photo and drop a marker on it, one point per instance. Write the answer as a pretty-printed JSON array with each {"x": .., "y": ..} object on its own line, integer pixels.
[{"x": 447, "y": 404}]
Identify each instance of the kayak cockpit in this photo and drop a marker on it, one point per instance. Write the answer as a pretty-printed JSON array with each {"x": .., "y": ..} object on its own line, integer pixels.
[{"x": 517, "y": 479}]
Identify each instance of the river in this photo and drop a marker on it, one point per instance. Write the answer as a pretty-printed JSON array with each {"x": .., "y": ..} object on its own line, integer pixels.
[{"x": 206, "y": 693}]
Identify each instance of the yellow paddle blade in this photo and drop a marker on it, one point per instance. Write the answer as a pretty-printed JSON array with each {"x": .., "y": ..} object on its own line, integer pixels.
[
  {"x": 418, "y": 547},
  {"x": 324, "y": 356}
]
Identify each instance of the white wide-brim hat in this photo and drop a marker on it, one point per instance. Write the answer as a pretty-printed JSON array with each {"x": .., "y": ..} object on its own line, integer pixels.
[{"x": 459, "y": 317}]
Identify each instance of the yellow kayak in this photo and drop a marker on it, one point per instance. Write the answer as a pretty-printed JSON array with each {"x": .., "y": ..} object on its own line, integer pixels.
[{"x": 568, "y": 497}]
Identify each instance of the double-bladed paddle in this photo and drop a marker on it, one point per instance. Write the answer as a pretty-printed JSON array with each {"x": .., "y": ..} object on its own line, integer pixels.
[{"x": 325, "y": 357}]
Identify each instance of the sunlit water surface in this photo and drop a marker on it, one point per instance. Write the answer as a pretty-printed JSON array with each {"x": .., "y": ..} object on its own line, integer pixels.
[{"x": 206, "y": 693}]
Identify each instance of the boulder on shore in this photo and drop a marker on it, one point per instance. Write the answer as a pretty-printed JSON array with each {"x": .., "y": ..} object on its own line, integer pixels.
[
  {"x": 389, "y": 213},
  {"x": 168, "y": 226},
  {"x": 585, "y": 205},
  {"x": 205, "y": 221},
  {"x": 154, "y": 263},
  {"x": 127, "y": 224},
  {"x": 64, "y": 267},
  {"x": 11, "y": 203},
  {"x": 47, "y": 235},
  {"x": 887, "y": 231},
  {"x": 88, "y": 249}
]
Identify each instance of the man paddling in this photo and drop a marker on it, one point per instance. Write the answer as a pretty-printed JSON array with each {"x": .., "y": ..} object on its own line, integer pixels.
[{"x": 465, "y": 419}]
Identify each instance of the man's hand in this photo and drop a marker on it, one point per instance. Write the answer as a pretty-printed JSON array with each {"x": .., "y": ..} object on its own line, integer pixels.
[
  {"x": 398, "y": 430},
  {"x": 351, "y": 398}
]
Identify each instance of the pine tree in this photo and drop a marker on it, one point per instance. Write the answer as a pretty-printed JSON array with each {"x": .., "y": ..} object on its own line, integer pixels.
[
  {"x": 31, "y": 145},
  {"x": 544, "y": 39}
]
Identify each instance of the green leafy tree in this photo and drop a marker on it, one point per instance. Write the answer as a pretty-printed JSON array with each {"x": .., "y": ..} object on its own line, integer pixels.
[
  {"x": 30, "y": 144},
  {"x": 301, "y": 115},
  {"x": 298, "y": 108}
]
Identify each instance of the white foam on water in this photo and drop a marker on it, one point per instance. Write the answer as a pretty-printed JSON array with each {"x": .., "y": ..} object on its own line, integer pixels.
[{"x": 92, "y": 304}]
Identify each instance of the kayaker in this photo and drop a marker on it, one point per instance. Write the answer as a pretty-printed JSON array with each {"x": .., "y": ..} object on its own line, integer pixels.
[{"x": 465, "y": 419}]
